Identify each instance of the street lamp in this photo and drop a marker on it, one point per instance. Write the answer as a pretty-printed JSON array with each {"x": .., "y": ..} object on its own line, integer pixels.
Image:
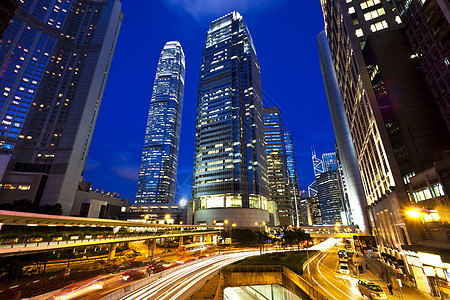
[{"x": 413, "y": 213}]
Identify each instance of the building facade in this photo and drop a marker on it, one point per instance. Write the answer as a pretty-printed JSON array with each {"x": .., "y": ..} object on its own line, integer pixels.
[
  {"x": 230, "y": 169},
  {"x": 158, "y": 171},
  {"x": 427, "y": 25},
  {"x": 293, "y": 178},
  {"x": 55, "y": 58},
  {"x": 331, "y": 197},
  {"x": 279, "y": 184},
  {"x": 394, "y": 126}
]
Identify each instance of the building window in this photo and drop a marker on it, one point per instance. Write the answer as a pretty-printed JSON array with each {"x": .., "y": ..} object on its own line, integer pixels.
[{"x": 359, "y": 32}]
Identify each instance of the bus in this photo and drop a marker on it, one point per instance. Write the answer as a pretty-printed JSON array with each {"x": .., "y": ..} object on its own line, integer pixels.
[{"x": 196, "y": 249}]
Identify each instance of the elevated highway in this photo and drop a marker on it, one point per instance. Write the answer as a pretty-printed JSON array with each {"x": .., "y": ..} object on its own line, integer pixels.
[{"x": 130, "y": 231}]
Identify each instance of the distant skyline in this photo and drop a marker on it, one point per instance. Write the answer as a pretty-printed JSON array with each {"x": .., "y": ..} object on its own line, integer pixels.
[{"x": 285, "y": 37}]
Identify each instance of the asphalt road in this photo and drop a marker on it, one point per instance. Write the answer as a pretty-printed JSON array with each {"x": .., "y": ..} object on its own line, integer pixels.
[
  {"x": 182, "y": 283},
  {"x": 323, "y": 273}
]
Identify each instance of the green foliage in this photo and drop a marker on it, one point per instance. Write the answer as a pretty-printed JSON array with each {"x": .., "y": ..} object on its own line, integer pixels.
[
  {"x": 292, "y": 260},
  {"x": 293, "y": 236}
]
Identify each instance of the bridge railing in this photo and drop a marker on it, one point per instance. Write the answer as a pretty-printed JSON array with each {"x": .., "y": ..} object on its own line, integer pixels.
[{"x": 20, "y": 242}]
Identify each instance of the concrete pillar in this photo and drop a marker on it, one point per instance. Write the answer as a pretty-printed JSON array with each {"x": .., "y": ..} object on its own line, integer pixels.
[
  {"x": 181, "y": 241},
  {"x": 112, "y": 251},
  {"x": 208, "y": 238},
  {"x": 194, "y": 238}
]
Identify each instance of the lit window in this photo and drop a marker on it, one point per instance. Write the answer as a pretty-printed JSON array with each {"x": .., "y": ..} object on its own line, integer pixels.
[
  {"x": 359, "y": 32},
  {"x": 351, "y": 10}
]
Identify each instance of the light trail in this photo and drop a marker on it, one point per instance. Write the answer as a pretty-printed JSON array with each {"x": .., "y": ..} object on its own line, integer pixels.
[
  {"x": 183, "y": 279},
  {"x": 322, "y": 275}
]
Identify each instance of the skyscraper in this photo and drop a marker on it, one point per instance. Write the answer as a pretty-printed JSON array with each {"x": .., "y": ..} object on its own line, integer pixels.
[
  {"x": 230, "y": 168},
  {"x": 427, "y": 25},
  {"x": 158, "y": 171},
  {"x": 370, "y": 69},
  {"x": 279, "y": 187},
  {"x": 331, "y": 197},
  {"x": 293, "y": 178},
  {"x": 54, "y": 60}
]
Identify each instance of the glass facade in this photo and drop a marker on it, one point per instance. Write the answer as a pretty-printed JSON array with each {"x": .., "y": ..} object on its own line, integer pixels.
[
  {"x": 230, "y": 169},
  {"x": 279, "y": 187},
  {"x": 293, "y": 178},
  {"x": 330, "y": 196},
  {"x": 158, "y": 171},
  {"x": 54, "y": 61}
]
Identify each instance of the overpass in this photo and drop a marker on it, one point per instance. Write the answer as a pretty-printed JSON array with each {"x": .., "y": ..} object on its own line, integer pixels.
[{"x": 116, "y": 232}]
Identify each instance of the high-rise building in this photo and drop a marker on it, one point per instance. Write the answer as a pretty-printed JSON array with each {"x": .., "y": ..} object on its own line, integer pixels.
[
  {"x": 394, "y": 127},
  {"x": 230, "y": 168},
  {"x": 427, "y": 25},
  {"x": 329, "y": 161},
  {"x": 158, "y": 171},
  {"x": 315, "y": 210},
  {"x": 54, "y": 59},
  {"x": 293, "y": 178},
  {"x": 279, "y": 186},
  {"x": 331, "y": 197}
]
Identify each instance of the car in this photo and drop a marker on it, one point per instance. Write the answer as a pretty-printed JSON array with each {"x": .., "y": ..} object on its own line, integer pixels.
[
  {"x": 371, "y": 290},
  {"x": 342, "y": 253},
  {"x": 343, "y": 268},
  {"x": 133, "y": 275}
]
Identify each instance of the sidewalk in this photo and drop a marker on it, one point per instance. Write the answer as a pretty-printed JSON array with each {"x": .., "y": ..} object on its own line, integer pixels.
[{"x": 375, "y": 273}]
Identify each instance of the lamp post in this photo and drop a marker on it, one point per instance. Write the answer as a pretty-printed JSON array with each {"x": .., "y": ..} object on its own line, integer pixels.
[
  {"x": 231, "y": 235},
  {"x": 260, "y": 236}
]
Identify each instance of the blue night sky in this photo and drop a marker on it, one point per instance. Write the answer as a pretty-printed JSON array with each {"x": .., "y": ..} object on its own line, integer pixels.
[{"x": 284, "y": 33}]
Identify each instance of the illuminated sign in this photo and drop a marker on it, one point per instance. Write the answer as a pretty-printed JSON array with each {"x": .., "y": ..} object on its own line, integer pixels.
[
  {"x": 429, "y": 271},
  {"x": 431, "y": 259}
]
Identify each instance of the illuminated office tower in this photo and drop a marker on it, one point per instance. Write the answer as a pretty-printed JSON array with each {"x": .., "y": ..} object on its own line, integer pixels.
[
  {"x": 277, "y": 168},
  {"x": 331, "y": 197},
  {"x": 293, "y": 178},
  {"x": 230, "y": 169},
  {"x": 379, "y": 103},
  {"x": 54, "y": 59},
  {"x": 158, "y": 172}
]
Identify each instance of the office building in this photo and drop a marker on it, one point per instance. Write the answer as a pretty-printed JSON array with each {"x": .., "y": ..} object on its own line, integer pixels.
[
  {"x": 279, "y": 185},
  {"x": 395, "y": 128},
  {"x": 55, "y": 58},
  {"x": 331, "y": 197},
  {"x": 427, "y": 26},
  {"x": 230, "y": 168},
  {"x": 315, "y": 210},
  {"x": 158, "y": 171},
  {"x": 293, "y": 178}
]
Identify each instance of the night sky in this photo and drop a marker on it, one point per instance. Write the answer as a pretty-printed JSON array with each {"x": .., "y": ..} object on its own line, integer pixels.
[{"x": 284, "y": 33}]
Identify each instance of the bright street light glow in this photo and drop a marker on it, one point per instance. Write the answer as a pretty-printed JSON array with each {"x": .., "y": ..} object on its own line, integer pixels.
[{"x": 413, "y": 213}]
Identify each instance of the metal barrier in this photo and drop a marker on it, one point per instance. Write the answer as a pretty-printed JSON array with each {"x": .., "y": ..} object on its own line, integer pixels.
[{"x": 153, "y": 277}]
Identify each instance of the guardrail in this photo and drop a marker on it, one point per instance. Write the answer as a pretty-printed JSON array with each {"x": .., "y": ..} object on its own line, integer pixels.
[{"x": 153, "y": 277}]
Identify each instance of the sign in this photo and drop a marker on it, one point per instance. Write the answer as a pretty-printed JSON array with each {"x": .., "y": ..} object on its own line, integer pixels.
[{"x": 228, "y": 241}]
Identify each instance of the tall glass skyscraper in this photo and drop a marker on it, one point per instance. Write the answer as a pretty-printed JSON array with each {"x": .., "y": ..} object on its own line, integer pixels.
[
  {"x": 54, "y": 62},
  {"x": 293, "y": 178},
  {"x": 230, "y": 169},
  {"x": 279, "y": 187},
  {"x": 158, "y": 172}
]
